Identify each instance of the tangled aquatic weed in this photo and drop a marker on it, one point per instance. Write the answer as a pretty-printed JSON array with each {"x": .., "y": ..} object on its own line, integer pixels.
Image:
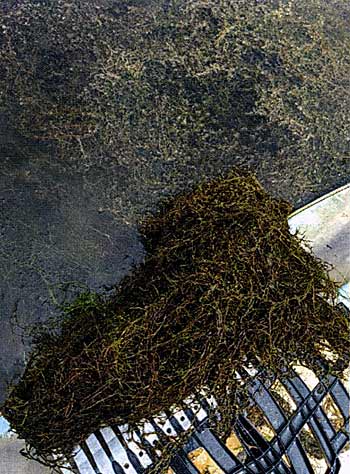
[{"x": 224, "y": 284}]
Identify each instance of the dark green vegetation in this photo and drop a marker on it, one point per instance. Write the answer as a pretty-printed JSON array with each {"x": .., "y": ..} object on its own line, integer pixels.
[
  {"x": 177, "y": 90},
  {"x": 224, "y": 284}
]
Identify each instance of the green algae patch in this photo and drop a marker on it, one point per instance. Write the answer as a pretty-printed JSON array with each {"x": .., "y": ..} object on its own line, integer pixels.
[{"x": 224, "y": 285}]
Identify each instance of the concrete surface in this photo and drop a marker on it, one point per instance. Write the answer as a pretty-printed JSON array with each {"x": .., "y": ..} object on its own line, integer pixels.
[
  {"x": 11, "y": 462},
  {"x": 326, "y": 225}
]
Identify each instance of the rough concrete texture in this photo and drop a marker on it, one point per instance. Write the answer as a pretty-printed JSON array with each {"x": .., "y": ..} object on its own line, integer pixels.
[{"x": 13, "y": 463}]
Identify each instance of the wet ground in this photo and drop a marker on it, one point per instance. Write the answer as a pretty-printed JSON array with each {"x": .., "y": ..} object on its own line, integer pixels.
[{"x": 54, "y": 230}]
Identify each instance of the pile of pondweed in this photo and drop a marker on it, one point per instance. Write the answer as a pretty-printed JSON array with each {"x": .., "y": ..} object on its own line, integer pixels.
[{"x": 224, "y": 284}]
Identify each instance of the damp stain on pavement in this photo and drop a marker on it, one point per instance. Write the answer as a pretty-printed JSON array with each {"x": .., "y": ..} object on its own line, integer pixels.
[{"x": 54, "y": 229}]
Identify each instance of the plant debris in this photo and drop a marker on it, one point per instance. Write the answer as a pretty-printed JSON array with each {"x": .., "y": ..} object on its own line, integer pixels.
[{"x": 224, "y": 284}]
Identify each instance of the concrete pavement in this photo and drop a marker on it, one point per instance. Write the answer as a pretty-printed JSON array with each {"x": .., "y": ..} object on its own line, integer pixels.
[{"x": 11, "y": 462}]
